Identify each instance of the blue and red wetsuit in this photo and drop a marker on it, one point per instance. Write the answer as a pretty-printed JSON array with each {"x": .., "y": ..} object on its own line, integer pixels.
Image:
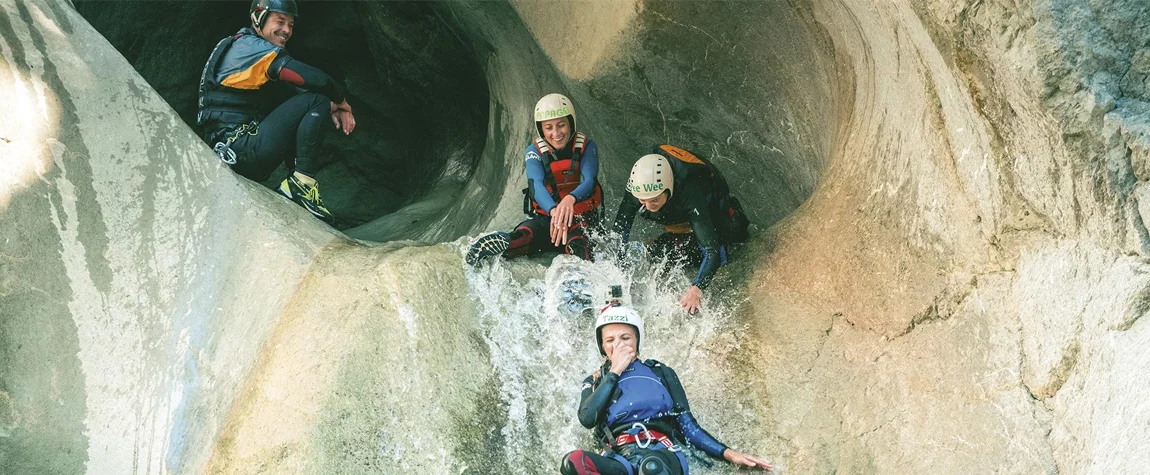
[
  {"x": 634, "y": 412},
  {"x": 569, "y": 176}
]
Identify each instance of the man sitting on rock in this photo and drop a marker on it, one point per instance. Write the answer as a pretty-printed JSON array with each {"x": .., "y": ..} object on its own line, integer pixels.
[
  {"x": 233, "y": 95},
  {"x": 687, "y": 195}
]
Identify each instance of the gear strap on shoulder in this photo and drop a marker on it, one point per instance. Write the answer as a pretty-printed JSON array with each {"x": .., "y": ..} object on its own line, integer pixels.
[
  {"x": 678, "y": 406},
  {"x": 209, "y": 67},
  {"x": 218, "y": 104},
  {"x": 602, "y": 432},
  {"x": 547, "y": 156}
]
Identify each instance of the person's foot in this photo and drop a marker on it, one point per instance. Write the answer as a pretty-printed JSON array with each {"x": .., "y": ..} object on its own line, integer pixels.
[
  {"x": 575, "y": 296},
  {"x": 307, "y": 195},
  {"x": 490, "y": 245}
]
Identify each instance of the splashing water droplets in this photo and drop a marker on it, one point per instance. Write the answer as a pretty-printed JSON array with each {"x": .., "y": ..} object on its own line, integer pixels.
[{"x": 538, "y": 323}]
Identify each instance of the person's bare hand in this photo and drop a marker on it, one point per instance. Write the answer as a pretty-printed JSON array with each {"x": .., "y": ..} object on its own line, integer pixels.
[
  {"x": 558, "y": 236},
  {"x": 621, "y": 358},
  {"x": 562, "y": 217},
  {"x": 693, "y": 300},
  {"x": 745, "y": 460},
  {"x": 343, "y": 120}
]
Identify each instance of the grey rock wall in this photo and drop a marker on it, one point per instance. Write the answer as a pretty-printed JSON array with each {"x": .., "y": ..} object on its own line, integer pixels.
[{"x": 949, "y": 271}]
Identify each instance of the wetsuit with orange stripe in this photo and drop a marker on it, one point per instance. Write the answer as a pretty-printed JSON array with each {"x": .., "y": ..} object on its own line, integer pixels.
[
  {"x": 700, "y": 217},
  {"x": 233, "y": 99}
]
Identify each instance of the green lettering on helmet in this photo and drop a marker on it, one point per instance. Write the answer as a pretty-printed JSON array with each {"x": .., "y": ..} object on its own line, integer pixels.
[
  {"x": 554, "y": 114},
  {"x": 652, "y": 186}
]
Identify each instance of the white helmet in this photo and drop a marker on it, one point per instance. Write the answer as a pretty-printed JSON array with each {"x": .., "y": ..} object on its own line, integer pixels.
[
  {"x": 650, "y": 176},
  {"x": 553, "y": 106},
  {"x": 617, "y": 313}
]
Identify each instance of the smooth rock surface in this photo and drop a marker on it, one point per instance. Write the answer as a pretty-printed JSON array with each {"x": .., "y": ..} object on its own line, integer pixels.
[{"x": 948, "y": 272}]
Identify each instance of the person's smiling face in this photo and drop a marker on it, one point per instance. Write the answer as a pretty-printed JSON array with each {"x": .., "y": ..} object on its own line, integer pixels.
[
  {"x": 278, "y": 28},
  {"x": 557, "y": 132},
  {"x": 655, "y": 204}
]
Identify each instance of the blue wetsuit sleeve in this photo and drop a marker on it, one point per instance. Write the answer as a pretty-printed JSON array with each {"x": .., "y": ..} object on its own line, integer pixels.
[
  {"x": 535, "y": 174},
  {"x": 588, "y": 170},
  {"x": 699, "y": 437},
  {"x": 593, "y": 403},
  {"x": 688, "y": 426},
  {"x": 704, "y": 230},
  {"x": 625, "y": 216}
]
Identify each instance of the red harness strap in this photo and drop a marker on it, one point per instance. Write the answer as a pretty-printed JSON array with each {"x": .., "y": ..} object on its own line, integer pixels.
[{"x": 644, "y": 438}]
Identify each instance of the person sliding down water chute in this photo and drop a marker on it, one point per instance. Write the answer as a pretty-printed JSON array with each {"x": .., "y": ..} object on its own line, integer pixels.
[
  {"x": 638, "y": 409},
  {"x": 233, "y": 93},
  {"x": 562, "y": 199},
  {"x": 687, "y": 195}
]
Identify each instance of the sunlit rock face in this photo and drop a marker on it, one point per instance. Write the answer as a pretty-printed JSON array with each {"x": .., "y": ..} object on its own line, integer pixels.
[{"x": 948, "y": 270}]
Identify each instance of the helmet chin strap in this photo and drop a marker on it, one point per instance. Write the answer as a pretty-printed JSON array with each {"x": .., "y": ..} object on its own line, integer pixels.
[{"x": 258, "y": 17}]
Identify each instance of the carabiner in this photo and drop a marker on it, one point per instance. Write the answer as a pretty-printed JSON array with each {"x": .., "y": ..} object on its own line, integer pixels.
[{"x": 643, "y": 429}]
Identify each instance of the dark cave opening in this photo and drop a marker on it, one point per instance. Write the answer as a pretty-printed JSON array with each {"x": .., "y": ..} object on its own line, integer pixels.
[{"x": 418, "y": 92}]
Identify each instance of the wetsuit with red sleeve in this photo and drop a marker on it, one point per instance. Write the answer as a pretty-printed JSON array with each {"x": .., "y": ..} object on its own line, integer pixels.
[{"x": 234, "y": 106}]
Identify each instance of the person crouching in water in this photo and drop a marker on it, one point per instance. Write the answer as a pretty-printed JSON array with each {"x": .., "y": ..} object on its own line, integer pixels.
[
  {"x": 562, "y": 199},
  {"x": 687, "y": 195},
  {"x": 638, "y": 409}
]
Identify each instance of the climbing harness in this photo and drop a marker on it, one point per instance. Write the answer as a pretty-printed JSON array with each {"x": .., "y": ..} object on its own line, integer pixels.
[{"x": 223, "y": 148}]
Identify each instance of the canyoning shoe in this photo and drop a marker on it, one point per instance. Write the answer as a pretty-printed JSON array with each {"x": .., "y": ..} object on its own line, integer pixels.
[
  {"x": 490, "y": 245},
  {"x": 306, "y": 196},
  {"x": 575, "y": 295}
]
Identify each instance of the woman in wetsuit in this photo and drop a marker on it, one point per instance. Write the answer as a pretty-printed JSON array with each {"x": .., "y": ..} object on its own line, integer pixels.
[
  {"x": 563, "y": 197},
  {"x": 688, "y": 195},
  {"x": 639, "y": 410}
]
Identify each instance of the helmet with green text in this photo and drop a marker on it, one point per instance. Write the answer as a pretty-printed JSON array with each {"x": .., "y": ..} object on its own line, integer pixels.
[
  {"x": 617, "y": 313},
  {"x": 553, "y": 106},
  {"x": 650, "y": 176}
]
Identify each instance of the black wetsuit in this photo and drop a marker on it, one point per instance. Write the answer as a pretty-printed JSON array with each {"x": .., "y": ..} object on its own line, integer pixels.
[
  {"x": 653, "y": 399},
  {"x": 234, "y": 97},
  {"x": 701, "y": 218}
]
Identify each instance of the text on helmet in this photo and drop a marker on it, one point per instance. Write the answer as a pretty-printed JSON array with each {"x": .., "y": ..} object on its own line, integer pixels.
[
  {"x": 646, "y": 187},
  {"x": 553, "y": 114}
]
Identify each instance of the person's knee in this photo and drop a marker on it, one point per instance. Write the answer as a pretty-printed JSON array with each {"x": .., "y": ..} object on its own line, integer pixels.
[
  {"x": 579, "y": 246},
  {"x": 315, "y": 101},
  {"x": 653, "y": 465},
  {"x": 522, "y": 236},
  {"x": 576, "y": 463}
]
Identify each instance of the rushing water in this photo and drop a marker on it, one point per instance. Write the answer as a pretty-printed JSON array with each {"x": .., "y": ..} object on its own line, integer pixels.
[{"x": 537, "y": 317}]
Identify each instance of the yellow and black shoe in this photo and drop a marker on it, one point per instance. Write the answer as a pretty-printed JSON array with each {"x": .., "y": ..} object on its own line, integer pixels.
[
  {"x": 490, "y": 245},
  {"x": 307, "y": 196}
]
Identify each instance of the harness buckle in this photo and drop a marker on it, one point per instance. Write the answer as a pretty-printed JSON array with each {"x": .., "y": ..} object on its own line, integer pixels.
[{"x": 225, "y": 152}]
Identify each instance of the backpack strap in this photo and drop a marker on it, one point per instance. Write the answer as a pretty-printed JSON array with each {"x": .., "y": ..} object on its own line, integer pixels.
[
  {"x": 580, "y": 142},
  {"x": 576, "y": 157},
  {"x": 602, "y": 432},
  {"x": 678, "y": 397},
  {"x": 207, "y": 81},
  {"x": 660, "y": 370},
  {"x": 547, "y": 156}
]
